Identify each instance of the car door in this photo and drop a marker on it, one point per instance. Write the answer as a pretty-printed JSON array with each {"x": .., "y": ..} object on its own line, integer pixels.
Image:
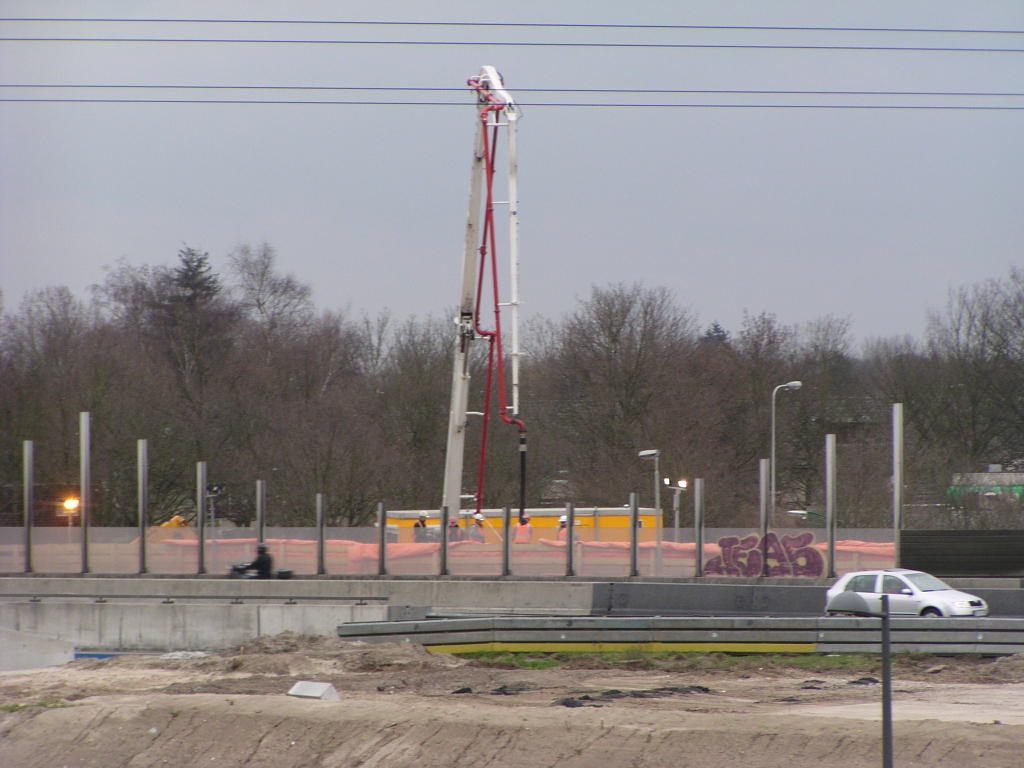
[
  {"x": 899, "y": 603},
  {"x": 866, "y": 585}
]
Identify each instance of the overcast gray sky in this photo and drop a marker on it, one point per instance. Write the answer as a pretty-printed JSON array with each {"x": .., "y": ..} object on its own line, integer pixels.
[{"x": 872, "y": 214}]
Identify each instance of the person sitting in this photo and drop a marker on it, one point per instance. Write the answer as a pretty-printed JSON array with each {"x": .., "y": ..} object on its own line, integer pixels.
[
  {"x": 263, "y": 565},
  {"x": 476, "y": 530},
  {"x": 419, "y": 529}
]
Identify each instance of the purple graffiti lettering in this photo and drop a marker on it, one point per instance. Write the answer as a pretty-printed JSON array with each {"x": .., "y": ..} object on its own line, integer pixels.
[
  {"x": 748, "y": 556},
  {"x": 721, "y": 565},
  {"x": 774, "y": 551},
  {"x": 805, "y": 559},
  {"x": 788, "y": 556}
]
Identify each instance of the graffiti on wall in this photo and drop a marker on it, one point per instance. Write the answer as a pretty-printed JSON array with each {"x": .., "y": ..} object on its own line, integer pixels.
[{"x": 786, "y": 556}]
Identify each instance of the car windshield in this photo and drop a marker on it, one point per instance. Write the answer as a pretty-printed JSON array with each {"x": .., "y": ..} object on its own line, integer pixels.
[{"x": 926, "y": 583}]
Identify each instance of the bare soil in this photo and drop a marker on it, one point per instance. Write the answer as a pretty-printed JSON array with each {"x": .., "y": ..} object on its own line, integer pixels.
[{"x": 402, "y": 706}]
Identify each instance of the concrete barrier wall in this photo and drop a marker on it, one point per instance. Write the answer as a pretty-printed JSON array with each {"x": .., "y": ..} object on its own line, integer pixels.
[
  {"x": 505, "y": 596},
  {"x": 156, "y": 626},
  {"x": 694, "y": 599},
  {"x": 781, "y": 597},
  {"x": 20, "y": 650}
]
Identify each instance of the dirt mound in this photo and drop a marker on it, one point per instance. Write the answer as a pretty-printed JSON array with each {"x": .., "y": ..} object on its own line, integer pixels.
[
  {"x": 296, "y": 642},
  {"x": 1008, "y": 669},
  {"x": 404, "y": 732},
  {"x": 352, "y": 656}
]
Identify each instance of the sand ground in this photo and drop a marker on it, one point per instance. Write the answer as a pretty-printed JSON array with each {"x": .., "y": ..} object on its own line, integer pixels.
[{"x": 399, "y": 707}]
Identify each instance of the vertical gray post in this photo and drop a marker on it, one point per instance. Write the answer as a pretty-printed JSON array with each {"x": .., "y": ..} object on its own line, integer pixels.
[
  {"x": 201, "y": 515},
  {"x": 698, "y": 524},
  {"x": 897, "y": 477},
  {"x": 506, "y": 549},
  {"x": 659, "y": 517},
  {"x": 676, "y": 493},
  {"x": 597, "y": 523},
  {"x": 321, "y": 560},
  {"x": 382, "y": 540},
  {"x": 765, "y": 467},
  {"x": 444, "y": 541},
  {"x": 887, "y": 756},
  {"x": 634, "y": 530},
  {"x": 142, "y": 451},
  {"x": 261, "y": 510},
  {"x": 84, "y": 483},
  {"x": 570, "y": 539},
  {"x": 830, "y": 502},
  {"x": 28, "y": 465}
]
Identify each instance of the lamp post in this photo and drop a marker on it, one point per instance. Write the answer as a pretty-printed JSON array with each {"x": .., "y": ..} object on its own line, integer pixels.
[
  {"x": 854, "y": 603},
  {"x": 677, "y": 490},
  {"x": 655, "y": 453},
  {"x": 792, "y": 385}
]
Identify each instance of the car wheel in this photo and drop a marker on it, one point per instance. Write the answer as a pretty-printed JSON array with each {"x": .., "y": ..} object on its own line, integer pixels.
[{"x": 931, "y": 613}]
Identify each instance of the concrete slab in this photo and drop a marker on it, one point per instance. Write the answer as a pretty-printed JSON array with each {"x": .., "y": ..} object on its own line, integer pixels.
[{"x": 305, "y": 689}]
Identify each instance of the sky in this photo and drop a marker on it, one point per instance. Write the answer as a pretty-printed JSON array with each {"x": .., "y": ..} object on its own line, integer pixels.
[{"x": 867, "y": 214}]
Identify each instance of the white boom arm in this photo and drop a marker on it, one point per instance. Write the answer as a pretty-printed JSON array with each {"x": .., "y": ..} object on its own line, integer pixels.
[{"x": 490, "y": 91}]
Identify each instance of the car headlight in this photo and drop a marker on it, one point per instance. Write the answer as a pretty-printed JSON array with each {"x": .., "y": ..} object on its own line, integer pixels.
[{"x": 961, "y": 604}]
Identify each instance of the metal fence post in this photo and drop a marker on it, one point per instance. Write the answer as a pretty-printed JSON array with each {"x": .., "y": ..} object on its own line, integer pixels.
[
  {"x": 698, "y": 524},
  {"x": 201, "y": 515},
  {"x": 261, "y": 510},
  {"x": 830, "y": 502},
  {"x": 887, "y": 752},
  {"x": 765, "y": 471},
  {"x": 570, "y": 527},
  {"x": 634, "y": 535},
  {"x": 321, "y": 560},
  {"x": 28, "y": 461},
  {"x": 506, "y": 549},
  {"x": 142, "y": 451},
  {"x": 897, "y": 477},
  {"x": 444, "y": 541},
  {"x": 382, "y": 540},
  {"x": 84, "y": 481}
]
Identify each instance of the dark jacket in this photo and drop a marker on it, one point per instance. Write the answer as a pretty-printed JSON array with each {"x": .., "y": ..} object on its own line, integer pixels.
[{"x": 263, "y": 565}]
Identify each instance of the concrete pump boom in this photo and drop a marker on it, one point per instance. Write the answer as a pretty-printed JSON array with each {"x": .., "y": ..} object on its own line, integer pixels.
[{"x": 493, "y": 102}]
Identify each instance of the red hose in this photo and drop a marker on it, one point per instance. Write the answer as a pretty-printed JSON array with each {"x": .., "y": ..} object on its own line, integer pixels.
[{"x": 493, "y": 337}]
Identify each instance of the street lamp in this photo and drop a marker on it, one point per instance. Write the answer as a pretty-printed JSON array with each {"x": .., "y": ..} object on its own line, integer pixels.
[
  {"x": 70, "y": 509},
  {"x": 677, "y": 489},
  {"x": 792, "y": 385},
  {"x": 654, "y": 453}
]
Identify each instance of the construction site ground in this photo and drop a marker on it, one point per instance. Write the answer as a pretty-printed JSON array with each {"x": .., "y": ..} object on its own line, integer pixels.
[{"x": 402, "y": 706}]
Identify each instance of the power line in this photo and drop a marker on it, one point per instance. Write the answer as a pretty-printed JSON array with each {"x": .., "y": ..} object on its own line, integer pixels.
[
  {"x": 527, "y": 25},
  {"x": 517, "y": 44},
  {"x": 421, "y": 89},
  {"x": 464, "y": 104}
]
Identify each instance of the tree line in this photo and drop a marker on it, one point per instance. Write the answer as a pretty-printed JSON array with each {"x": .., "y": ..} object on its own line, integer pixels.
[{"x": 242, "y": 371}]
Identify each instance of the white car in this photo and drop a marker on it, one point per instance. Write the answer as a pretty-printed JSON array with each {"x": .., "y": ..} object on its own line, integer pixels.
[{"x": 911, "y": 593}]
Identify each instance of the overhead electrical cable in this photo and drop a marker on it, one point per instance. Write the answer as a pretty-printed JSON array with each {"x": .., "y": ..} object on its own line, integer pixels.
[
  {"x": 419, "y": 89},
  {"x": 525, "y": 25},
  {"x": 519, "y": 44},
  {"x": 625, "y": 105}
]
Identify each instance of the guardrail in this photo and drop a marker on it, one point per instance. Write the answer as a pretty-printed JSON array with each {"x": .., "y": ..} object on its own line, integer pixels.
[
  {"x": 97, "y": 598},
  {"x": 987, "y": 636}
]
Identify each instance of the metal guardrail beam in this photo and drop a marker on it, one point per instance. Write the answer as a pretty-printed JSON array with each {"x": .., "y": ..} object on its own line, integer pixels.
[
  {"x": 38, "y": 597},
  {"x": 741, "y": 634}
]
